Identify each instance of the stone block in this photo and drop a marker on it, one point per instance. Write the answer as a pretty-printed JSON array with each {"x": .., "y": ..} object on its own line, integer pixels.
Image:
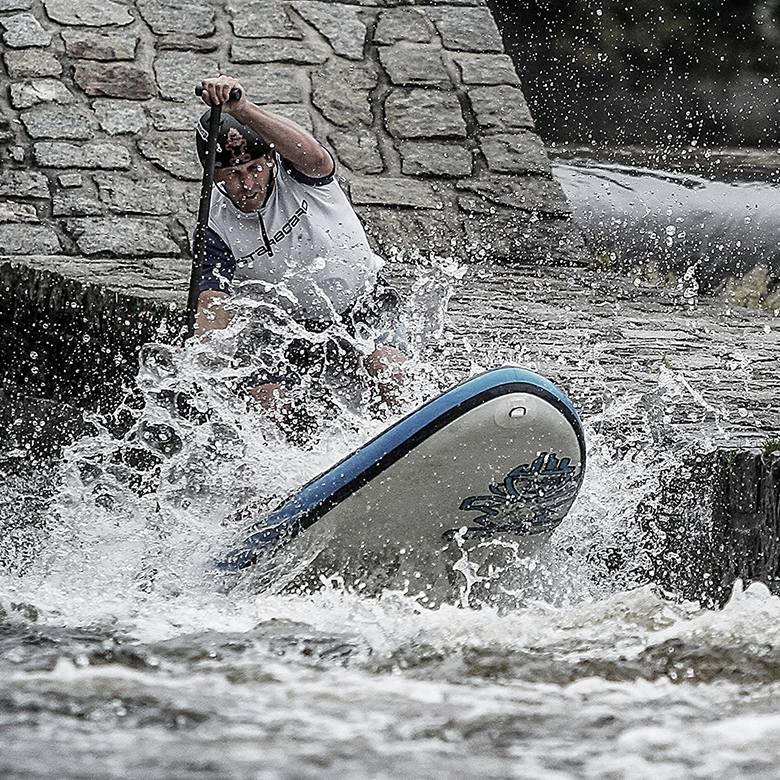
[
  {"x": 429, "y": 158},
  {"x": 10, "y": 211},
  {"x": 115, "y": 45},
  {"x": 122, "y": 237},
  {"x": 341, "y": 93},
  {"x": 15, "y": 5},
  {"x": 88, "y": 13},
  {"x": 25, "y": 239},
  {"x": 76, "y": 203},
  {"x": 424, "y": 113},
  {"x": 23, "y": 183},
  {"x": 22, "y": 30},
  {"x": 118, "y": 117},
  {"x": 113, "y": 80},
  {"x": 379, "y": 191},
  {"x": 53, "y": 121},
  {"x": 176, "y": 116},
  {"x": 521, "y": 152},
  {"x": 500, "y": 108},
  {"x": 414, "y": 64},
  {"x": 403, "y": 24},
  {"x": 188, "y": 17},
  {"x": 487, "y": 69},
  {"x": 31, "y": 64},
  {"x": 178, "y": 72},
  {"x": 25, "y": 94},
  {"x": 466, "y": 29},
  {"x": 59, "y": 154},
  {"x": 277, "y": 50},
  {"x": 261, "y": 19},
  {"x": 173, "y": 152},
  {"x": 527, "y": 193},
  {"x": 181, "y": 42},
  {"x": 338, "y": 23},
  {"x": 274, "y": 83},
  {"x": 294, "y": 112},
  {"x": 358, "y": 149},
  {"x": 70, "y": 179},
  {"x": 124, "y": 195}
]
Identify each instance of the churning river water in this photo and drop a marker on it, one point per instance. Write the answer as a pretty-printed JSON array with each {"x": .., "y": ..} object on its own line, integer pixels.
[{"x": 122, "y": 656}]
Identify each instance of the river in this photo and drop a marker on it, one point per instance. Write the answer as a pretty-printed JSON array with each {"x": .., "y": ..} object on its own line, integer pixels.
[{"x": 123, "y": 656}]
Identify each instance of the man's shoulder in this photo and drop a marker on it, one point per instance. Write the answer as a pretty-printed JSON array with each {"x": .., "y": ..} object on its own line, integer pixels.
[{"x": 311, "y": 181}]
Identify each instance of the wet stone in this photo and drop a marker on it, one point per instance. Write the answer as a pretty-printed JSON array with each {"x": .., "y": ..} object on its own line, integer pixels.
[
  {"x": 500, "y": 107},
  {"x": 403, "y": 24},
  {"x": 53, "y": 121},
  {"x": 467, "y": 29},
  {"x": 23, "y": 30},
  {"x": 272, "y": 83},
  {"x": 341, "y": 92},
  {"x": 90, "y": 13},
  {"x": 190, "y": 17},
  {"x": 23, "y": 184},
  {"x": 423, "y": 158},
  {"x": 487, "y": 69},
  {"x": 173, "y": 152},
  {"x": 261, "y": 19},
  {"x": 121, "y": 236},
  {"x": 119, "y": 80},
  {"x": 410, "y": 64},
  {"x": 424, "y": 113},
  {"x": 59, "y": 154},
  {"x": 27, "y": 239},
  {"x": 244, "y": 51},
  {"x": 118, "y": 117},
  {"x": 358, "y": 149},
  {"x": 146, "y": 196},
  {"x": 392, "y": 192},
  {"x": 339, "y": 24},
  {"x": 515, "y": 153},
  {"x": 31, "y": 64},
  {"x": 527, "y": 193},
  {"x": 26, "y": 94},
  {"x": 178, "y": 72},
  {"x": 106, "y": 46}
]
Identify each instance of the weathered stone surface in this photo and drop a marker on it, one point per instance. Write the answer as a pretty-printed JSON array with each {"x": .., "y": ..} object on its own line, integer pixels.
[
  {"x": 173, "y": 152},
  {"x": 190, "y": 17},
  {"x": 338, "y": 23},
  {"x": 428, "y": 158},
  {"x": 487, "y": 69},
  {"x": 76, "y": 203},
  {"x": 528, "y": 193},
  {"x": 366, "y": 191},
  {"x": 59, "y": 154},
  {"x": 261, "y": 19},
  {"x": 31, "y": 64},
  {"x": 70, "y": 179},
  {"x": 24, "y": 30},
  {"x": 178, "y": 73},
  {"x": 91, "y": 13},
  {"x": 93, "y": 45},
  {"x": 277, "y": 50},
  {"x": 500, "y": 107},
  {"x": 521, "y": 152},
  {"x": 28, "y": 239},
  {"x": 358, "y": 149},
  {"x": 467, "y": 29},
  {"x": 181, "y": 42},
  {"x": 23, "y": 184},
  {"x": 410, "y": 64},
  {"x": 341, "y": 92},
  {"x": 272, "y": 83},
  {"x": 11, "y": 211},
  {"x": 424, "y": 113},
  {"x": 403, "y": 24},
  {"x": 25, "y": 94},
  {"x": 113, "y": 80},
  {"x": 117, "y": 117},
  {"x": 176, "y": 116},
  {"x": 293, "y": 111},
  {"x": 53, "y": 121},
  {"x": 146, "y": 196},
  {"x": 15, "y": 5},
  {"x": 120, "y": 236}
]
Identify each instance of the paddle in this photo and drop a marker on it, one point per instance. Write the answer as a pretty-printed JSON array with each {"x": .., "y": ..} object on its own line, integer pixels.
[{"x": 199, "y": 242}]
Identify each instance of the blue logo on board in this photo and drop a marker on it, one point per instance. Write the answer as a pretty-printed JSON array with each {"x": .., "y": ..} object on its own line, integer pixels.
[{"x": 532, "y": 499}]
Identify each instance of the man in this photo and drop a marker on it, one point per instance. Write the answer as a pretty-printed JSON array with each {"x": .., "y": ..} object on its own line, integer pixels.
[{"x": 282, "y": 232}]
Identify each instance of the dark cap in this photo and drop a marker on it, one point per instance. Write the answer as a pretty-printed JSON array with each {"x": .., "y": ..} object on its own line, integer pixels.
[{"x": 236, "y": 143}]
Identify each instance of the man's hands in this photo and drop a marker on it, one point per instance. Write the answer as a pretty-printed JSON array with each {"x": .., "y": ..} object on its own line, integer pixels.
[{"x": 218, "y": 92}]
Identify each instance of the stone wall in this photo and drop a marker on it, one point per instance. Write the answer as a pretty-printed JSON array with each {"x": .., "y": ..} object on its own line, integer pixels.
[{"x": 434, "y": 139}]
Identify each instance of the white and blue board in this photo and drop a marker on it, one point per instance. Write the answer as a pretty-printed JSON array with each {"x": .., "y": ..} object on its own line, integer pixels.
[{"x": 500, "y": 455}]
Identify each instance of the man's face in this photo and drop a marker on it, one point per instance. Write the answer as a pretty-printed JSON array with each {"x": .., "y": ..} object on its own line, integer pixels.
[{"x": 247, "y": 185}]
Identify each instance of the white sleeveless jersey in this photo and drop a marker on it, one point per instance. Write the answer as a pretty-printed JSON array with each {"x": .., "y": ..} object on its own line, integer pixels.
[{"x": 304, "y": 250}]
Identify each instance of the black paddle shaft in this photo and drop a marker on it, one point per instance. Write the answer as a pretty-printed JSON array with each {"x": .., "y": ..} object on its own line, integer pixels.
[{"x": 204, "y": 205}]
